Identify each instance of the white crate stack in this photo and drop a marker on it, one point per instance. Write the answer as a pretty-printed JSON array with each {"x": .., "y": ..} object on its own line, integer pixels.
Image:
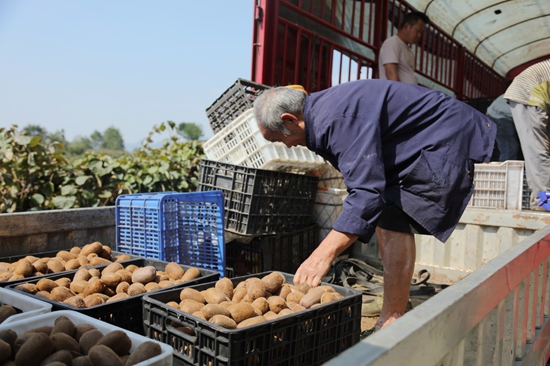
[
  {"x": 331, "y": 178},
  {"x": 242, "y": 143},
  {"x": 329, "y": 200},
  {"x": 498, "y": 185},
  {"x": 328, "y": 206},
  {"x": 48, "y": 319}
]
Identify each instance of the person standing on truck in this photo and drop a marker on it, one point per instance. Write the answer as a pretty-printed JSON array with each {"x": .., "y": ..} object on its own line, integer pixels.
[
  {"x": 407, "y": 156},
  {"x": 507, "y": 136},
  {"x": 529, "y": 100},
  {"x": 396, "y": 58}
]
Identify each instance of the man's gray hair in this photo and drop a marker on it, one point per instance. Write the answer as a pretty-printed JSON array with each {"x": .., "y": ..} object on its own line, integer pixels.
[{"x": 272, "y": 103}]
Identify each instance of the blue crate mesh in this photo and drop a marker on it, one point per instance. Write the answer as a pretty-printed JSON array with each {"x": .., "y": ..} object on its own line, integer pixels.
[
  {"x": 186, "y": 228},
  {"x": 200, "y": 236}
]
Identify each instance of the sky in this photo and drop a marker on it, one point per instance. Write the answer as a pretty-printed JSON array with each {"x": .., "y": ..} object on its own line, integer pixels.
[{"x": 87, "y": 65}]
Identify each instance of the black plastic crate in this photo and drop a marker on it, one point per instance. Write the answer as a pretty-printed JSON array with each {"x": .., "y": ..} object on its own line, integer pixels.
[
  {"x": 260, "y": 202},
  {"x": 125, "y": 313},
  {"x": 233, "y": 102},
  {"x": 284, "y": 252},
  {"x": 15, "y": 258},
  {"x": 309, "y": 337}
]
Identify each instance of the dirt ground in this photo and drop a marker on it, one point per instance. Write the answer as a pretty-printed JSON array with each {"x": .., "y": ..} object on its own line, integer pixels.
[{"x": 367, "y": 322}]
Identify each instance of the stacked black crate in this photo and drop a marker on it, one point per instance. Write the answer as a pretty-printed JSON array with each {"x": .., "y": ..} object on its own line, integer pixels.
[
  {"x": 526, "y": 193},
  {"x": 268, "y": 213},
  {"x": 237, "y": 99}
]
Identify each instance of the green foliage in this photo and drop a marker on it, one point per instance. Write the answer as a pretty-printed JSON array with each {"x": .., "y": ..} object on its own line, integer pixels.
[
  {"x": 189, "y": 131},
  {"x": 79, "y": 146},
  {"x": 37, "y": 130},
  {"x": 96, "y": 138},
  {"x": 112, "y": 139},
  {"x": 36, "y": 176},
  {"x": 110, "y": 142},
  {"x": 30, "y": 171}
]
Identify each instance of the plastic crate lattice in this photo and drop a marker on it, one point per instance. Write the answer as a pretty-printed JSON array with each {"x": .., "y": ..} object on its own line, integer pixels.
[
  {"x": 232, "y": 103},
  {"x": 186, "y": 228},
  {"x": 309, "y": 337},
  {"x": 498, "y": 185},
  {"x": 241, "y": 142},
  {"x": 260, "y": 202}
]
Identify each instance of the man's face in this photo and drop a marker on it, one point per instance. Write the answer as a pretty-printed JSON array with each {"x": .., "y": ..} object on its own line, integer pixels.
[
  {"x": 415, "y": 32},
  {"x": 296, "y": 137}
]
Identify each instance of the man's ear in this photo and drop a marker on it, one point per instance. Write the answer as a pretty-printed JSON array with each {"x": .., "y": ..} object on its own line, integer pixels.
[{"x": 289, "y": 117}]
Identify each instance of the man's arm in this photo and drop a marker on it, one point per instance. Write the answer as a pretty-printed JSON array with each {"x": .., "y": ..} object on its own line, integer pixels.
[
  {"x": 317, "y": 265},
  {"x": 356, "y": 141},
  {"x": 391, "y": 72}
]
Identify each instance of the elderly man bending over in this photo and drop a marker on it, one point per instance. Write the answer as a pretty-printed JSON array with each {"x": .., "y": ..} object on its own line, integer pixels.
[{"x": 407, "y": 156}]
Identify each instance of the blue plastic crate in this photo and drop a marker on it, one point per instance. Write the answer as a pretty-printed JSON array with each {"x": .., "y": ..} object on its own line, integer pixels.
[{"x": 187, "y": 228}]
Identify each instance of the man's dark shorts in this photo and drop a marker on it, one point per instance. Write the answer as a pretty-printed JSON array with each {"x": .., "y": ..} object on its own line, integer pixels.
[{"x": 395, "y": 219}]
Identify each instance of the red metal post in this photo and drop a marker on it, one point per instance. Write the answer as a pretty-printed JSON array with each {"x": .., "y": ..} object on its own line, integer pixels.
[
  {"x": 380, "y": 29},
  {"x": 263, "y": 47}
]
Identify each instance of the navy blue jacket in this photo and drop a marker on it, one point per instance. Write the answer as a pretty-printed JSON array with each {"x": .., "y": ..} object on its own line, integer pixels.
[{"x": 398, "y": 142}]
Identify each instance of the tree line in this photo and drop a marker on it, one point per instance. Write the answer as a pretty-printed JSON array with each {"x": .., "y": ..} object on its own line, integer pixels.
[{"x": 109, "y": 141}]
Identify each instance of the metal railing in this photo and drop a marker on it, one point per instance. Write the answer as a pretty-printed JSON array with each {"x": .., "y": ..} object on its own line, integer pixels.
[
  {"x": 497, "y": 315},
  {"x": 326, "y": 42}
]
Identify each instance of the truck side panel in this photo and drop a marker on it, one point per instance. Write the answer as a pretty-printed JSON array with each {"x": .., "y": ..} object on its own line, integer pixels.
[
  {"x": 481, "y": 235},
  {"x": 34, "y": 232},
  {"x": 497, "y": 315}
]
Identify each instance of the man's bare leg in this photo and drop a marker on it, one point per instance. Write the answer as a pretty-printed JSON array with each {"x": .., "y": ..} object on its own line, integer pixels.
[{"x": 398, "y": 252}]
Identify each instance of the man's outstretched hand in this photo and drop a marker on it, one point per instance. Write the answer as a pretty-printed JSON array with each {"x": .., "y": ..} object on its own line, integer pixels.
[
  {"x": 317, "y": 265},
  {"x": 313, "y": 269}
]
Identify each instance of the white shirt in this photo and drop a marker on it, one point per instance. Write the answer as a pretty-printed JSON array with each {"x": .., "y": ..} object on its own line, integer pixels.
[{"x": 395, "y": 51}]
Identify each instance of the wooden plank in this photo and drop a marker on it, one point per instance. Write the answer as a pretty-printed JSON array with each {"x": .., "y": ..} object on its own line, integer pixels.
[
  {"x": 39, "y": 222},
  {"x": 36, "y": 243}
]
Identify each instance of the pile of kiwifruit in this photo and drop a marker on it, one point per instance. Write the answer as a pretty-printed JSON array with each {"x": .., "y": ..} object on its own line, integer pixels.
[
  {"x": 65, "y": 343},
  {"x": 92, "y": 287},
  {"x": 6, "y": 311},
  {"x": 90, "y": 255},
  {"x": 252, "y": 301}
]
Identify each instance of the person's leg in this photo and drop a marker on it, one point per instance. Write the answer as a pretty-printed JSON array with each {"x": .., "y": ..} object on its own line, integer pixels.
[
  {"x": 540, "y": 131},
  {"x": 532, "y": 127},
  {"x": 507, "y": 139},
  {"x": 515, "y": 146},
  {"x": 398, "y": 251}
]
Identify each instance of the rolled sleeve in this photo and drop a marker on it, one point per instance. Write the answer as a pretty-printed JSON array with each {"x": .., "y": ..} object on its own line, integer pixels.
[{"x": 347, "y": 222}]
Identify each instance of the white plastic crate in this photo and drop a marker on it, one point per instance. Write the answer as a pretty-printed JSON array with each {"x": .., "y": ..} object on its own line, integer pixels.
[
  {"x": 326, "y": 209},
  {"x": 242, "y": 143},
  {"x": 21, "y": 326},
  {"x": 498, "y": 185},
  {"x": 29, "y": 306},
  {"x": 331, "y": 178}
]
